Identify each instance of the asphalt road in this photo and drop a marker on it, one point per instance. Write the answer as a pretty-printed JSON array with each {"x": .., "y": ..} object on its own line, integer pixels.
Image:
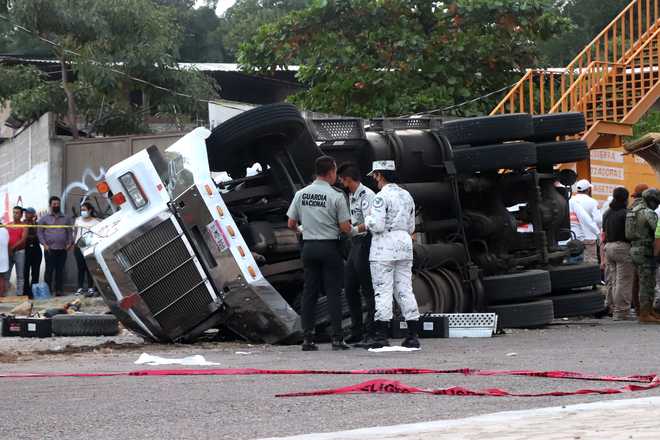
[{"x": 244, "y": 407}]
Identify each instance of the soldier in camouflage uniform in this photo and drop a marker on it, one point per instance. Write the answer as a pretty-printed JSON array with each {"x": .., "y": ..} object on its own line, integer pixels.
[
  {"x": 641, "y": 222},
  {"x": 391, "y": 221}
]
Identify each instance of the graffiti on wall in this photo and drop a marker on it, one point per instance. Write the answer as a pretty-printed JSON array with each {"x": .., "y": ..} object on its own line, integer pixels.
[{"x": 83, "y": 184}]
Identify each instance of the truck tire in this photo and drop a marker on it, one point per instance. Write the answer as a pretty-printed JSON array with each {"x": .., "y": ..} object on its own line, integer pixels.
[
  {"x": 524, "y": 315},
  {"x": 569, "y": 277},
  {"x": 578, "y": 304},
  {"x": 230, "y": 146},
  {"x": 85, "y": 325},
  {"x": 549, "y": 127},
  {"x": 512, "y": 156},
  {"x": 552, "y": 153},
  {"x": 489, "y": 129},
  {"x": 516, "y": 286}
]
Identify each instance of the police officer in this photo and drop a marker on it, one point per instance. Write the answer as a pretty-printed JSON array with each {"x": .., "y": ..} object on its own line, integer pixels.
[
  {"x": 641, "y": 222},
  {"x": 322, "y": 213},
  {"x": 357, "y": 272},
  {"x": 391, "y": 220}
]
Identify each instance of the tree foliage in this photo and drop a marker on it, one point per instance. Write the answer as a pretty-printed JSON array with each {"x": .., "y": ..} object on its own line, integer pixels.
[
  {"x": 115, "y": 40},
  {"x": 392, "y": 57},
  {"x": 587, "y": 18},
  {"x": 241, "y": 21}
]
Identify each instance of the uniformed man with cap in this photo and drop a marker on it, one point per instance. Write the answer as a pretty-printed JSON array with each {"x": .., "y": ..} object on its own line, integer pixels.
[
  {"x": 391, "y": 220},
  {"x": 641, "y": 222},
  {"x": 357, "y": 276},
  {"x": 321, "y": 211}
]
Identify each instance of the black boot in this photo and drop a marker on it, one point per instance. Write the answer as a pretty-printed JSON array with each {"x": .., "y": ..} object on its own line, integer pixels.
[
  {"x": 411, "y": 340},
  {"x": 354, "y": 338},
  {"x": 339, "y": 344},
  {"x": 308, "y": 343},
  {"x": 380, "y": 335}
]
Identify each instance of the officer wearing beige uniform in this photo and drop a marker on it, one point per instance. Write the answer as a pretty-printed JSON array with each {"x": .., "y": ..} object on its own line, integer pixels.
[
  {"x": 391, "y": 221},
  {"x": 322, "y": 211}
]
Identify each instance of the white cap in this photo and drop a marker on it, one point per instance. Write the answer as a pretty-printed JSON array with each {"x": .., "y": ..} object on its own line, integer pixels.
[
  {"x": 382, "y": 165},
  {"x": 582, "y": 185}
]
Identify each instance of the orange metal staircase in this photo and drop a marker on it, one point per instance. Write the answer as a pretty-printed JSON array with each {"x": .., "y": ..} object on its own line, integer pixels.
[{"x": 613, "y": 81}]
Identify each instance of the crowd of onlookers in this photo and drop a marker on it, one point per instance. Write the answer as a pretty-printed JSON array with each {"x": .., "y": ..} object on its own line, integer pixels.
[
  {"x": 26, "y": 241},
  {"x": 624, "y": 237}
]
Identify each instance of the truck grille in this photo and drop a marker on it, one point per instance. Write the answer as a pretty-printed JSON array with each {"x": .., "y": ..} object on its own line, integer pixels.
[{"x": 164, "y": 272}]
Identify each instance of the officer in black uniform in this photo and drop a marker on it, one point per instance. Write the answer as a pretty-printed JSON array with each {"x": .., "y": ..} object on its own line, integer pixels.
[
  {"x": 320, "y": 211},
  {"x": 357, "y": 276}
]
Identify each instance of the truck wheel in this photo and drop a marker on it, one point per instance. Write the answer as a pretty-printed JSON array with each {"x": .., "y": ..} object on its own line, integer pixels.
[
  {"x": 551, "y": 153},
  {"x": 574, "y": 276},
  {"x": 524, "y": 315},
  {"x": 578, "y": 304},
  {"x": 548, "y": 127},
  {"x": 513, "y": 156},
  {"x": 516, "y": 286},
  {"x": 85, "y": 325},
  {"x": 231, "y": 146},
  {"x": 489, "y": 129}
]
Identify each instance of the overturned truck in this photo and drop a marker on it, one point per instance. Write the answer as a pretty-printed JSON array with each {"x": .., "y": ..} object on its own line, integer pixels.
[{"x": 183, "y": 253}]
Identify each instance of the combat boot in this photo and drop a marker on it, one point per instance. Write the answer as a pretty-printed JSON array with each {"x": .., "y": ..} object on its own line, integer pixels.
[
  {"x": 308, "y": 343},
  {"x": 339, "y": 344},
  {"x": 411, "y": 340},
  {"x": 646, "y": 316},
  {"x": 380, "y": 336}
]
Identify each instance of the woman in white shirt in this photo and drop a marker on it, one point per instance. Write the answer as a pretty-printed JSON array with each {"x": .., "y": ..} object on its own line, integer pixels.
[{"x": 82, "y": 224}]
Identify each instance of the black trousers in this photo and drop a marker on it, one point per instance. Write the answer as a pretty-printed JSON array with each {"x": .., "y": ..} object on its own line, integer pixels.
[
  {"x": 324, "y": 271},
  {"x": 83, "y": 271},
  {"x": 33, "y": 257},
  {"x": 55, "y": 260},
  {"x": 357, "y": 285}
]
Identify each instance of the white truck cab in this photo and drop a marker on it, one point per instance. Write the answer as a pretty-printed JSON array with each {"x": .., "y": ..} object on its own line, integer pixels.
[{"x": 170, "y": 262}]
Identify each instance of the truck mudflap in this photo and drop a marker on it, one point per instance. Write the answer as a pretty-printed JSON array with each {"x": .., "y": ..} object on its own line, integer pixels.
[{"x": 257, "y": 312}]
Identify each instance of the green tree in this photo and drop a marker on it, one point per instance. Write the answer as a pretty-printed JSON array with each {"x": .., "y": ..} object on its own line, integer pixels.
[
  {"x": 102, "y": 46},
  {"x": 588, "y": 18},
  {"x": 392, "y": 57},
  {"x": 240, "y": 22}
]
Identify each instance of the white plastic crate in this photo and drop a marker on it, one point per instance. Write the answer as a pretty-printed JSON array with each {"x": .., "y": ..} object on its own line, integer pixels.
[{"x": 471, "y": 325}]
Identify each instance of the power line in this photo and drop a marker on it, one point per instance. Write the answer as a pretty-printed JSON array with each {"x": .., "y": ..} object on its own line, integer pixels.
[
  {"x": 112, "y": 69},
  {"x": 462, "y": 104}
]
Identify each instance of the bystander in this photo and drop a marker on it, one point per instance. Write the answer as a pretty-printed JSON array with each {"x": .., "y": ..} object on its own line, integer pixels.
[
  {"x": 16, "y": 249},
  {"x": 33, "y": 254},
  {"x": 86, "y": 220},
  {"x": 57, "y": 240},
  {"x": 617, "y": 250}
]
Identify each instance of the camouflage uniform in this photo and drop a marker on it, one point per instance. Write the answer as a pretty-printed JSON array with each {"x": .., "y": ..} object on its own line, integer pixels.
[
  {"x": 391, "y": 221},
  {"x": 641, "y": 222}
]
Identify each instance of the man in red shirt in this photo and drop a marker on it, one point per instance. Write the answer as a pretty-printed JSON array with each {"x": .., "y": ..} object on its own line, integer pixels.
[{"x": 17, "y": 239}]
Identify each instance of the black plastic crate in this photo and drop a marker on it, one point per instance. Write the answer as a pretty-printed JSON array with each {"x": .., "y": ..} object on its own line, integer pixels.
[
  {"x": 36, "y": 327},
  {"x": 430, "y": 326},
  {"x": 11, "y": 326},
  {"x": 26, "y": 327}
]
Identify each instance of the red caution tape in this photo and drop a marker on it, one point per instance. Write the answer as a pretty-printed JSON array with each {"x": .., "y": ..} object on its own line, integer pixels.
[
  {"x": 635, "y": 383},
  {"x": 394, "y": 386}
]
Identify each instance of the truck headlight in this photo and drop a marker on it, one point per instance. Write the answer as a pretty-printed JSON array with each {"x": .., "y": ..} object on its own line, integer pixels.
[{"x": 133, "y": 189}]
